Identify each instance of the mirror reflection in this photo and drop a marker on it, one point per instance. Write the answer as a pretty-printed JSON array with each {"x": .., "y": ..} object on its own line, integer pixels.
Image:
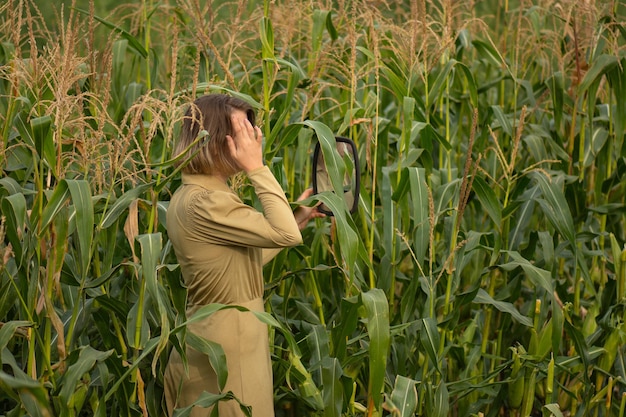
[{"x": 346, "y": 150}]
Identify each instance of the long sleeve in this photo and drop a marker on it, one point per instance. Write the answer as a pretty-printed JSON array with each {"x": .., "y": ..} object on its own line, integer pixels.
[{"x": 221, "y": 217}]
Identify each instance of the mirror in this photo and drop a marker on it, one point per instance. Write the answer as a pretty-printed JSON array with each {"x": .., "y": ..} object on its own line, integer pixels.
[{"x": 345, "y": 152}]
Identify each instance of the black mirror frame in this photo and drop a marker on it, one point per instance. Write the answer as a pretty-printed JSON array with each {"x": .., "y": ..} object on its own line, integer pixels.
[{"x": 357, "y": 173}]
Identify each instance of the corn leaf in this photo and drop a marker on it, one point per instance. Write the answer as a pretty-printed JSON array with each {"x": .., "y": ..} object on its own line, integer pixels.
[
  {"x": 404, "y": 397},
  {"x": 377, "y": 315},
  {"x": 420, "y": 215},
  {"x": 488, "y": 199},
  {"x": 207, "y": 400},
  {"x": 84, "y": 219},
  {"x": 132, "y": 41},
  {"x": 430, "y": 339},
  {"x": 215, "y": 353},
  {"x": 333, "y": 389},
  {"x": 87, "y": 359},
  {"x": 482, "y": 297}
]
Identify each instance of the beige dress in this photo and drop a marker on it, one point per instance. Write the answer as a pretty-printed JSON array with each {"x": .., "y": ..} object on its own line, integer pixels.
[{"x": 221, "y": 245}]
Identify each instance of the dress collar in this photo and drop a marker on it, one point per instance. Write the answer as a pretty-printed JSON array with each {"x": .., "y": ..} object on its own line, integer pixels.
[{"x": 210, "y": 182}]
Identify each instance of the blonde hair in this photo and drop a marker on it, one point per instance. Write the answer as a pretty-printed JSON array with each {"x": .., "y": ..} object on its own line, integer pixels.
[{"x": 212, "y": 114}]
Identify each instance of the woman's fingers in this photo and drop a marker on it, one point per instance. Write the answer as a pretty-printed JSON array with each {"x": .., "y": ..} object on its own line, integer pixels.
[
  {"x": 243, "y": 128},
  {"x": 245, "y": 143},
  {"x": 306, "y": 194}
]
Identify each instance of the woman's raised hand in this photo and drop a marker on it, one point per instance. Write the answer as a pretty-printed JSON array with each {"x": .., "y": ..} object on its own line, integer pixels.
[{"x": 246, "y": 143}]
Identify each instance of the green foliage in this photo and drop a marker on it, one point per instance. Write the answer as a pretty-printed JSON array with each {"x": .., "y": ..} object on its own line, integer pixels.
[{"x": 483, "y": 274}]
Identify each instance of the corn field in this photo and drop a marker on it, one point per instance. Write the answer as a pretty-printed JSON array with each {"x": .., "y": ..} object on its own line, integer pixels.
[{"x": 484, "y": 273}]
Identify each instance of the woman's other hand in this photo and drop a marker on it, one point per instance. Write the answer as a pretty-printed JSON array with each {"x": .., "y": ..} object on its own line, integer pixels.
[
  {"x": 246, "y": 143},
  {"x": 304, "y": 214}
]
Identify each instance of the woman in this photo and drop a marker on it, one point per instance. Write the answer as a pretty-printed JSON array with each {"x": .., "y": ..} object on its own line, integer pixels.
[{"x": 221, "y": 245}]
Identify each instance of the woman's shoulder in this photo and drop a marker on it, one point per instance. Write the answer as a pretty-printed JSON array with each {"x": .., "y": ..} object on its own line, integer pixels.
[{"x": 198, "y": 200}]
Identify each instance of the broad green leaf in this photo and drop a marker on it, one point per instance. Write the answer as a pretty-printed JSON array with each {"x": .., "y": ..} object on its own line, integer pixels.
[
  {"x": 207, "y": 400},
  {"x": 8, "y": 330},
  {"x": 436, "y": 88},
  {"x": 87, "y": 359},
  {"x": 546, "y": 338},
  {"x": 133, "y": 92},
  {"x": 471, "y": 83},
  {"x": 42, "y": 136},
  {"x": 617, "y": 81},
  {"x": 55, "y": 202},
  {"x": 295, "y": 76},
  {"x": 538, "y": 276},
  {"x": 537, "y": 147},
  {"x": 441, "y": 401},
  {"x": 597, "y": 141},
  {"x": 14, "y": 211},
  {"x": 554, "y": 409},
  {"x": 317, "y": 341},
  {"x": 419, "y": 199},
  {"x": 334, "y": 163},
  {"x": 488, "y": 199},
  {"x": 482, "y": 297},
  {"x": 348, "y": 238},
  {"x": 427, "y": 135},
  {"x": 599, "y": 67},
  {"x": 556, "y": 209},
  {"x": 102, "y": 279},
  {"x": 503, "y": 120},
  {"x": 151, "y": 246},
  {"x": 581, "y": 346},
  {"x": 84, "y": 219},
  {"x": 489, "y": 53},
  {"x": 333, "y": 389},
  {"x": 266, "y": 34},
  {"x": 23, "y": 127},
  {"x": 445, "y": 195},
  {"x": 12, "y": 187},
  {"x": 430, "y": 339},
  {"x": 377, "y": 314},
  {"x": 32, "y": 394},
  {"x": 555, "y": 206},
  {"x": 519, "y": 229},
  {"x": 408, "y": 108},
  {"x": 350, "y": 314},
  {"x": 330, "y": 27},
  {"x": 404, "y": 397},
  {"x": 215, "y": 353},
  {"x": 611, "y": 348},
  {"x": 619, "y": 266},
  {"x": 8, "y": 299},
  {"x": 557, "y": 325},
  {"x": 132, "y": 41},
  {"x": 320, "y": 22},
  {"x": 397, "y": 82},
  {"x": 547, "y": 249},
  {"x": 556, "y": 84},
  {"x": 61, "y": 230},
  {"x": 388, "y": 231},
  {"x": 137, "y": 326},
  {"x": 126, "y": 371}
]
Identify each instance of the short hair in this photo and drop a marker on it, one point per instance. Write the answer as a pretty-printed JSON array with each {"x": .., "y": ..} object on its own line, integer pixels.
[{"x": 212, "y": 155}]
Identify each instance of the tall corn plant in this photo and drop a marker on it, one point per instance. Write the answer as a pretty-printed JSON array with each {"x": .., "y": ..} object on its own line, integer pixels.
[{"x": 483, "y": 273}]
